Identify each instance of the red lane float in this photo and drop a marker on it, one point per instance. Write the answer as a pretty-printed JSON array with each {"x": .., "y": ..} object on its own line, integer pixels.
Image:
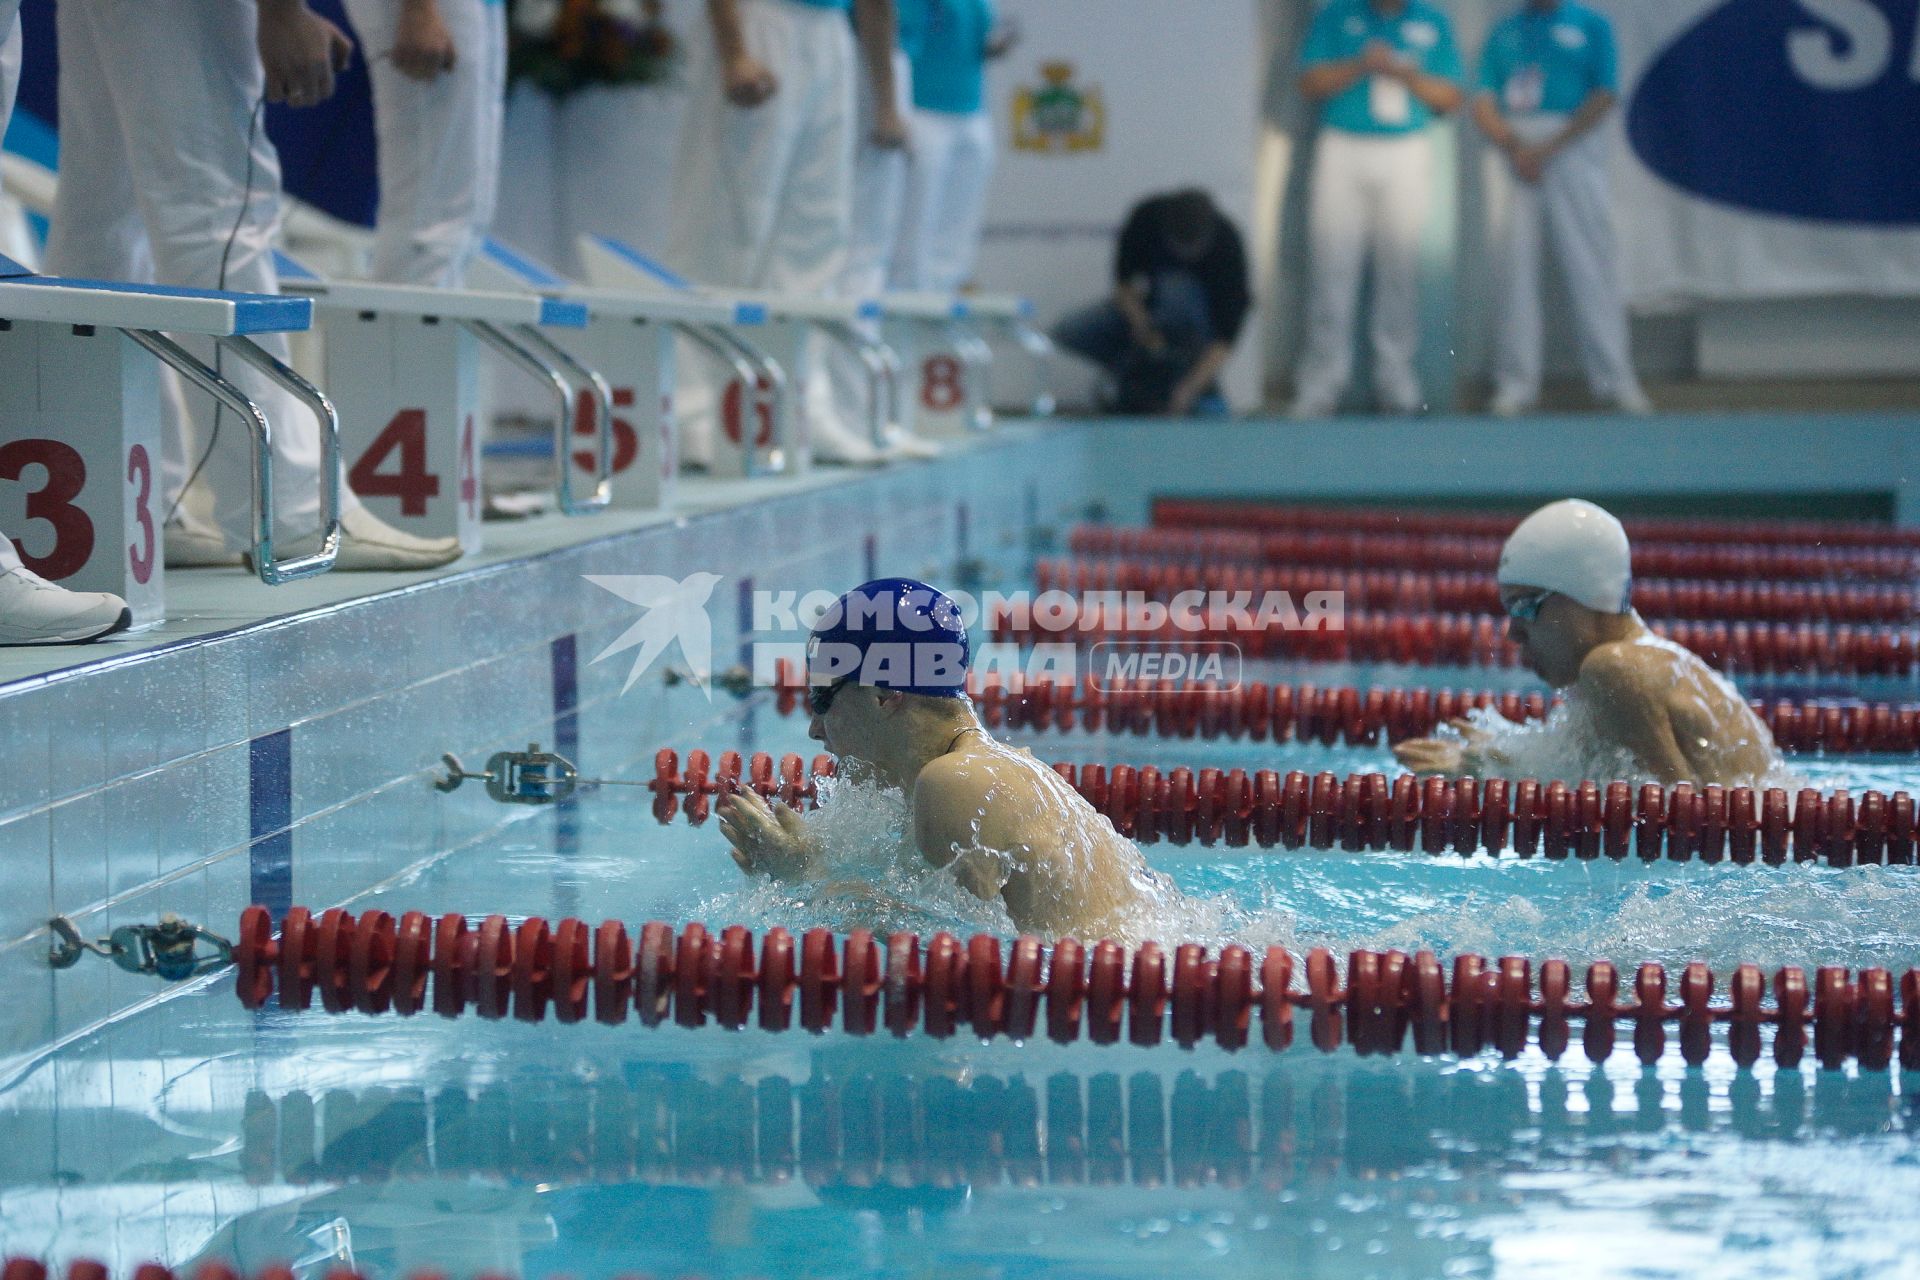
[
  {"x": 1204, "y": 513},
  {"x": 986, "y": 988},
  {"x": 1470, "y": 640},
  {"x": 1368, "y": 812},
  {"x": 1431, "y": 552},
  {"x": 1342, "y": 714},
  {"x": 87, "y": 1269},
  {"x": 1409, "y": 591}
]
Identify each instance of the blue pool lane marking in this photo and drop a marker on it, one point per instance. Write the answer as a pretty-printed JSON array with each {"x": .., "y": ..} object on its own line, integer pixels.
[
  {"x": 743, "y": 607},
  {"x": 565, "y": 652},
  {"x": 270, "y": 821},
  {"x": 871, "y": 548},
  {"x": 961, "y": 519}
]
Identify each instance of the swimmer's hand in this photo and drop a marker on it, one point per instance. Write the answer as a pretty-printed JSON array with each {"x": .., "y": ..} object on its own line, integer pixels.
[
  {"x": 1472, "y": 754},
  {"x": 982, "y": 872},
  {"x": 767, "y": 839}
]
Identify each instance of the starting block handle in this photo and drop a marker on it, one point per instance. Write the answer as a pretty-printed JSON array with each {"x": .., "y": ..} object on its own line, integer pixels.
[
  {"x": 603, "y": 433},
  {"x": 545, "y": 373},
  {"x": 1039, "y": 348},
  {"x": 882, "y": 368},
  {"x": 271, "y": 569},
  {"x": 760, "y": 375}
]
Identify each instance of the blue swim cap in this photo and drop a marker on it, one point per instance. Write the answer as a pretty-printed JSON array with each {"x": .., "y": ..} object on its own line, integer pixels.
[{"x": 892, "y": 633}]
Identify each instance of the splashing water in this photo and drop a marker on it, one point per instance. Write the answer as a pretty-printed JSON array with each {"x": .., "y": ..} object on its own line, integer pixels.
[{"x": 1567, "y": 747}]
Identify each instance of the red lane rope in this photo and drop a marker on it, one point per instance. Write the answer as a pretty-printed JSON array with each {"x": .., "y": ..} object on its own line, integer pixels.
[
  {"x": 1104, "y": 993},
  {"x": 1202, "y": 513},
  {"x": 1368, "y": 812},
  {"x": 1482, "y": 555},
  {"x": 88, "y": 1269},
  {"x": 1410, "y": 591},
  {"x": 1343, "y": 714},
  {"x": 1428, "y": 639}
]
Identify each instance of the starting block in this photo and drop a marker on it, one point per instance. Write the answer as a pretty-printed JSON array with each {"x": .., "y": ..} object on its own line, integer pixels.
[
  {"x": 762, "y": 410},
  {"x": 630, "y": 338},
  {"x": 405, "y": 362},
  {"x": 80, "y": 487},
  {"x": 947, "y": 386}
]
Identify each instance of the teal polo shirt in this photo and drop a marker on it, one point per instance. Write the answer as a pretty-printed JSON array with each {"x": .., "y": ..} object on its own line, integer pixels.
[
  {"x": 842, "y": 5},
  {"x": 1420, "y": 32},
  {"x": 1549, "y": 61},
  {"x": 912, "y": 25},
  {"x": 948, "y": 72}
]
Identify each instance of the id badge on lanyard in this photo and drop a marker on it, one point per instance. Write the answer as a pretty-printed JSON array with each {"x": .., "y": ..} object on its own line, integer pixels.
[
  {"x": 1389, "y": 101},
  {"x": 1526, "y": 89}
]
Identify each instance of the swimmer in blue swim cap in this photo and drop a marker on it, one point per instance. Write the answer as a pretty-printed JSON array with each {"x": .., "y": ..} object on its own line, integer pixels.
[
  {"x": 886, "y": 674},
  {"x": 1566, "y": 583}
]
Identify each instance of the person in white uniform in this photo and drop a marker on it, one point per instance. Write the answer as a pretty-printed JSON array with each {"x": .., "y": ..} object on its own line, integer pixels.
[
  {"x": 952, "y": 145},
  {"x": 1384, "y": 70},
  {"x": 1548, "y": 80},
  {"x": 169, "y": 177},
  {"x": 439, "y": 74},
  {"x": 764, "y": 194},
  {"x": 33, "y": 610}
]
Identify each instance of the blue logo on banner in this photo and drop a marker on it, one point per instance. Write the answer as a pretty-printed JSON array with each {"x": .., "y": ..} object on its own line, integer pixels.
[{"x": 1806, "y": 108}]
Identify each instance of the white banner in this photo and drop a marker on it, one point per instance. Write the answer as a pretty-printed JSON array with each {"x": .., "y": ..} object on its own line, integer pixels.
[
  {"x": 1106, "y": 101},
  {"x": 1771, "y": 148}
]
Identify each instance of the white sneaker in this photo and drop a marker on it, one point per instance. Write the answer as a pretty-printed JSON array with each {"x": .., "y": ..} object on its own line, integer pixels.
[
  {"x": 1510, "y": 404},
  {"x": 370, "y": 544},
  {"x": 35, "y": 611},
  {"x": 1633, "y": 401},
  {"x": 902, "y": 443},
  {"x": 1306, "y": 410}
]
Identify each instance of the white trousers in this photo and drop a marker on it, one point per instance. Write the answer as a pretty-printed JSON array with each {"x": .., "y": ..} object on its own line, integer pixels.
[
  {"x": 438, "y": 142},
  {"x": 1371, "y": 197},
  {"x": 1571, "y": 207},
  {"x": 9, "y": 82},
  {"x": 946, "y": 200},
  {"x": 764, "y": 195},
  {"x": 158, "y": 183}
]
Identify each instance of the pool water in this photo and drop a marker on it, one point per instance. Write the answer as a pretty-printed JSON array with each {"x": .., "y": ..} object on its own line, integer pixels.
[{"x": 196, "y": 1129}]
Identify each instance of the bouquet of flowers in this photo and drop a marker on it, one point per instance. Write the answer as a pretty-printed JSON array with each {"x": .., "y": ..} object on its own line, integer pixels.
[{"x": 566, "y": 45}]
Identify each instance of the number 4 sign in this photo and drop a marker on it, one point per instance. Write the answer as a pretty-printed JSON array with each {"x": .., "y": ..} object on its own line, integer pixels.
[
  {"x": 406, "y": 388},
  {"x": 79, "y": 482}
]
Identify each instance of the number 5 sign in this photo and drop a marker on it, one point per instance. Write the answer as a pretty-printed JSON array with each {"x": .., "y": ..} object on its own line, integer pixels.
[{"x": 80, "y": 490}]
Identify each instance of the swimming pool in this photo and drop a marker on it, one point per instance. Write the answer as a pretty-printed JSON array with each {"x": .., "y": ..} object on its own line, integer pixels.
[{"x": 195, "y": 1129}]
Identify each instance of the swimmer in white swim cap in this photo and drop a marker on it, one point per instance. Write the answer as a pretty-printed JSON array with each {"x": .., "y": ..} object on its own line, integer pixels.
[
  {"x": 886, "y": 673},
  {"x": 1566, "y": 583}
]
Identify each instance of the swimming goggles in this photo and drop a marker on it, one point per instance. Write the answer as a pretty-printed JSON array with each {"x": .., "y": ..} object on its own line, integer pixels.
[
  {"x": 820, "y": 696},
  {"x": 1527, "y": 608}
]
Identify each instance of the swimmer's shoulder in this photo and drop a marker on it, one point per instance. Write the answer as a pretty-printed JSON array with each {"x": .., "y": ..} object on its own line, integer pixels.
[{"x": 1627, "y": 667}]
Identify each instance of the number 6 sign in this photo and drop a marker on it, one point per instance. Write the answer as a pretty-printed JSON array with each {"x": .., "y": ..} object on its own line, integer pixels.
[{"x": 79, "y": 479}]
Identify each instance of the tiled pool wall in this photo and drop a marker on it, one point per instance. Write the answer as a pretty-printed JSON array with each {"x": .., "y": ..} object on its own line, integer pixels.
[{"x": 290, "y": 761}]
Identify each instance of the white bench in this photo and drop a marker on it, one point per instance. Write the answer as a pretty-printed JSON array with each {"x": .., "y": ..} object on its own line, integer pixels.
[
  {"x": 404, "y": 364},
  {"x": 629, "y": 338},
  {"x": 80, "y": 485}
]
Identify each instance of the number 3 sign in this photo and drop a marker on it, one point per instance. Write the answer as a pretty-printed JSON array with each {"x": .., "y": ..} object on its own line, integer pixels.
[{"x": 79, "y": 482}]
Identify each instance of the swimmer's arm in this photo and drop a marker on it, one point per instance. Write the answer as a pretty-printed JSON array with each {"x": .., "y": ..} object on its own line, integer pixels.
[{"x": 1629, "y": 708}]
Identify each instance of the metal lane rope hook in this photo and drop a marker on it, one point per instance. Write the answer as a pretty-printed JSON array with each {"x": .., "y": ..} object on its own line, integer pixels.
[
  {"x": 169, "y": 950},
  {"x": 532, "y": 776}
]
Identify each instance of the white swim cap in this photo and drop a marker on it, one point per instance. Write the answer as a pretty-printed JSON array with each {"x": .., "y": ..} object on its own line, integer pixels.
[{"x": 1576, "y": 549}]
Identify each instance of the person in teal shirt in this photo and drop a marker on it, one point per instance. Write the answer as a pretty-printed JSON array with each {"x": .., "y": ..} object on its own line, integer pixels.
[
  {"x": 1548, "y": 80},
  {"x": 1382, "y": 71},
  {"x": 952, "y": 144}
]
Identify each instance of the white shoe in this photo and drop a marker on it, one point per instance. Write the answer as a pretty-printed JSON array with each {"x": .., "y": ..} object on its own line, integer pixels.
[
  {"x": 1510, "y": 404},
  {"x": 370, "y": 544},
  {"x": 1633, "y": 401},
  {"x": 1307, "y": 410},
  {"x": 195, "y": 546},
  {"x": 902, "y": 443},
  {"x": 35, "y": 611}
]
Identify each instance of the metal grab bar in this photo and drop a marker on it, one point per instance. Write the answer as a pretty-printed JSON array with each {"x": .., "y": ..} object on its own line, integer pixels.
[
  {"x": 540, "y": 370},
  {"x": 974, "y": 353},
  {"x": 603, "y": 412},
  {"x": 761, "y": 377},
  {"x": 270, "y": 569},
  {"x": 1040, "y": 349},
  {"x": 882, "y": 367}
]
